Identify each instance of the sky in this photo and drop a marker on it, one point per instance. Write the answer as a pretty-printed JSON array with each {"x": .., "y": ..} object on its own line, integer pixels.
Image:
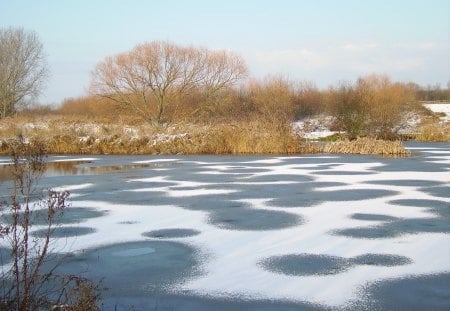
[{"x": 322, "y": 41}]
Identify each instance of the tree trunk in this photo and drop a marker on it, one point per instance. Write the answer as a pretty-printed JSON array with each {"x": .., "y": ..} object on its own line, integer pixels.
[{"x": 160, "y": 109}]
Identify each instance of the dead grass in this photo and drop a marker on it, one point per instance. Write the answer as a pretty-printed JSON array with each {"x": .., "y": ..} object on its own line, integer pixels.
[
  {"x": 68, "y": 135},
  {"x": 367, "y": 146},
  {"x": 246, "y": 138},
  {"x": 433, "y": 131},
  {"x": 65, "y": 135}
]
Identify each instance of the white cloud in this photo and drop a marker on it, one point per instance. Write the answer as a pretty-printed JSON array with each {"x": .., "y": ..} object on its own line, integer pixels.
[
  {"x": 359, "y": 47},
  {"x": 421, "y": 62}
]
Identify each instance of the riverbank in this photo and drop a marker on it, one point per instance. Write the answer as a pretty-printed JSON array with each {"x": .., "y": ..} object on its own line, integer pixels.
[{"x": 74, "y": 136}]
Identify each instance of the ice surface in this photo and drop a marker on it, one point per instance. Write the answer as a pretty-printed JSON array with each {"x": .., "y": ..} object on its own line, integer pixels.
[{"x": 249, "y": 229}]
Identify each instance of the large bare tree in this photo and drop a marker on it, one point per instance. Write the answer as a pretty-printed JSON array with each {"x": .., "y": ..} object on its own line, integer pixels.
[
  {"x": 148, "y": 77},
  {"x": 23, "y": 69}
]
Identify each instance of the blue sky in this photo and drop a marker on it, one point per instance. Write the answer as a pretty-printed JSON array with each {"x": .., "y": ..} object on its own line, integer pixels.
[{"x": 323, "y": 41}]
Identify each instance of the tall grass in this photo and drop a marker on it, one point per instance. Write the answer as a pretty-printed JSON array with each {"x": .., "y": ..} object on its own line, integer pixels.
[
  {"x": 69, "y": 136},
  {"x": 433, "y": 132},
  {"x": 367, "y": 146},
  {"x": 63, "y": 135},
  {"x": 247, "y": 138}
]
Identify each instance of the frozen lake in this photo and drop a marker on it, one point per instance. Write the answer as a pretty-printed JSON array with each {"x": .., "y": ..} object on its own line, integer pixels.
[{"x": 315, "y": 232}]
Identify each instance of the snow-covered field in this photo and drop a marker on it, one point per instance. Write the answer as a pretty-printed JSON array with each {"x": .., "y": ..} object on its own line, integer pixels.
[
  {"x": 313, "y": 232},
  {"x": 440, "y": 108}
]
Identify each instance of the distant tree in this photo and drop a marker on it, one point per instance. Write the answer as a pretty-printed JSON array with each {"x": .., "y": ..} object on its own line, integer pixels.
[
  {"x": 23, "y": 69},
  {"x": 148, "y": 77},
  {"x": 433, "y": 93}
]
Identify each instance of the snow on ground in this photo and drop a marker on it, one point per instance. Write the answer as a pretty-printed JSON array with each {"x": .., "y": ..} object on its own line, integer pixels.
[
  {"x": 165, "y": 138},
  {"x": 314, "y": 127},
  {"x": 440, "y": 108},
  {"x": 319, "y": 127},
  {"x": 318, "y": 134},
  {"x": 232, "y": 265}
]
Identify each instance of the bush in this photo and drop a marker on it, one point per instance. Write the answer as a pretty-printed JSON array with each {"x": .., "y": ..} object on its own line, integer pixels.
[
  {"x": 372, "y": 107},
  {"x": 346, "y": 107},
  {"x": 386, "y": 102},
  {"x": 308, "y": 101}
]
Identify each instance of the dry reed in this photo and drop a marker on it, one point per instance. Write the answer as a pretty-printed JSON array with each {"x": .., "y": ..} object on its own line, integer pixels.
[
  {"x": 367, "y": 145},
  {"x": 434, "y": 132},
  {"x": 64, "y": 135},
  {"x": 69, "y": 136}
]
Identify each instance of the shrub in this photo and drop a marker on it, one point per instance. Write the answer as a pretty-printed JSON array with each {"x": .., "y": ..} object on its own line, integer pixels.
[
  {"x": 385, "y": 103},
  {"x": 345, "y": 105},
  {"x": 308, "y": 100},
  {"x": 373, "y": 107}
]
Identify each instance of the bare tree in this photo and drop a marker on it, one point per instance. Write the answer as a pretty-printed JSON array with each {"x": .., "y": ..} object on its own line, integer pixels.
[
  {"x": 23, "y": 68},
  {"x": 148, "y": 77}
]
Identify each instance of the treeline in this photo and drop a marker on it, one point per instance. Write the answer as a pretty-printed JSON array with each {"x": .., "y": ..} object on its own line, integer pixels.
[
  {"x": 372, "y": 106},
  {"x": 433, "y": 93},
  {"x": 161, "y": 82}
]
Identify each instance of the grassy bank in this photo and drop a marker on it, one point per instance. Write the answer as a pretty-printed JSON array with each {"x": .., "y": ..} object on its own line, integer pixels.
[
  {"x": 433, "y": 132},
  {"x": 63, "y": 135},
  {"x": 72, "y": 136}
]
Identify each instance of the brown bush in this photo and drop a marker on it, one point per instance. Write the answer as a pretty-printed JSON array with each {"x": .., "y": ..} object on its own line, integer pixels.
[
  {"x": 91, "y": 107},
  {"x": 373, "y": 106},
  {"x": 385, "y": 103},
  {"x": 308, "y": 100},
  {"x": 271, "y": 99},
  {"x": 345, "y": 105}
]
